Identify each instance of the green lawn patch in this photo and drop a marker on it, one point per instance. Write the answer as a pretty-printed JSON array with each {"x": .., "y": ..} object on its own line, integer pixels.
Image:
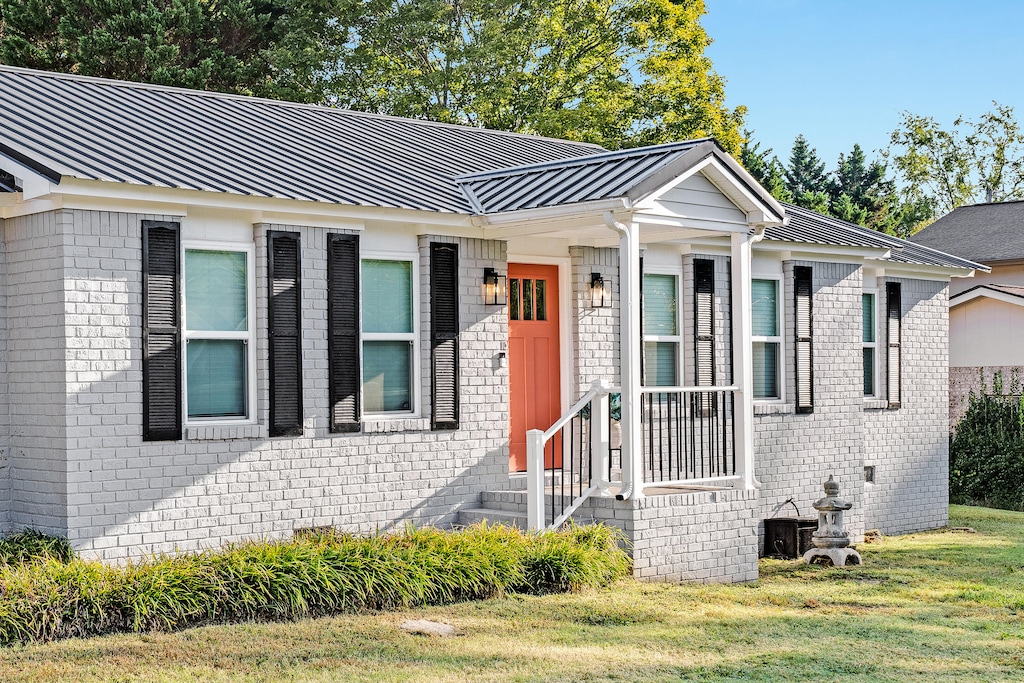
[{"x": 939, "y": 606}]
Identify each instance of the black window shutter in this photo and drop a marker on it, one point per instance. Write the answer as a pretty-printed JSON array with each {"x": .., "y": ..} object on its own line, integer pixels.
[
  {"x": 285, "y": 323},
  {"x": 161, "y": 331},
  {"x": 643, "y": 344},
  {"x": 444, "y": 335},
  {"x": 804, "y": 340},
  {"x": 894, "y": 320},
  {"x": 343, "y": 331},
  {"x": 704, "y": 321}
]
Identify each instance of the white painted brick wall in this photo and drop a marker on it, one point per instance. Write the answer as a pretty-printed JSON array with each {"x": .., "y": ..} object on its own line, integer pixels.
[
  {"x": 5, "y": 424},
  {"x": 909, "y": 447},
  {"x": 595, "y": 331},
  {"x": 126, "y": 498}
]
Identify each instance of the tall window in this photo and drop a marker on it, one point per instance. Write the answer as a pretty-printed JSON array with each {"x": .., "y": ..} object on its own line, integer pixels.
[
  {"x": 218, "y": 333},
  {"x": 870, "y": 342},
  {"x": 767, "y": 339},
  {"x": 661, "y": 330},
  {"x": 388, "y": 335}
]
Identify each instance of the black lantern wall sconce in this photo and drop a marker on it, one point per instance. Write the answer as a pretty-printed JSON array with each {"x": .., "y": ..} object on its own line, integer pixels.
[
  {"x": 495, "y": 288},
  {"x": 598, "y": 291}
]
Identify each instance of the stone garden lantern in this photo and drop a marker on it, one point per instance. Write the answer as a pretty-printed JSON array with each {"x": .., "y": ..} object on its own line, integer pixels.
[{"x": 831, "y": 542}]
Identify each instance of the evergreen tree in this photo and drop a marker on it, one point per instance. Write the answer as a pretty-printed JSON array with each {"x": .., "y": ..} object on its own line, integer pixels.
[
  {"x": 805, "y": 173},
  {"x": 766, "y": 168},
  {"x": 868, "y": 193}
]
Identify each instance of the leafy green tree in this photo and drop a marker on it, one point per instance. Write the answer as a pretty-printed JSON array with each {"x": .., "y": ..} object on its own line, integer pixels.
[
  {"x": 805, "y": 172},
  {"x": 614, "y": 72},
  {"x": 273, "y": 48},
  {"x": 975, "y": 161}
]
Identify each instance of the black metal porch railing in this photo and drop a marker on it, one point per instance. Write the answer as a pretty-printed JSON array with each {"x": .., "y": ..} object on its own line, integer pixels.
[{"x": 687, "y": 434}]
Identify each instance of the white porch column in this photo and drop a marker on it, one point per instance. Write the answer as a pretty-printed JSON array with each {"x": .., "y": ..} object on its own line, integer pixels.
[
  {"x": 630, "y": 348},
  {"x": 742, "y": 352}
]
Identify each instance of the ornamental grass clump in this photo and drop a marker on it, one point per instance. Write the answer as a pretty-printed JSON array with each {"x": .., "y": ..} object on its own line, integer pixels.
[{"x": 50, "y": 596}]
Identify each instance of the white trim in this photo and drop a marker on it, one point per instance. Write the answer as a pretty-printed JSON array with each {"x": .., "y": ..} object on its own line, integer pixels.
[
  {"x": 873, "y": 292},
  {"x": 248, "y": 336},
  {"x": 677, "y": 338},
  {"x": 984, "y": 292},
  {"x": 778, "y": 339},
  {"x": 415, "y": 380}
]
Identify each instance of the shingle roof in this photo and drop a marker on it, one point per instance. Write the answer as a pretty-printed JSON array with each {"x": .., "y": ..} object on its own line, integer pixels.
[
  {"x": 569, "y": 181},
  {"x": 97, "y": 129},
  {"x": 811, "y": 227},
  {"x": 980, "y": 232}
]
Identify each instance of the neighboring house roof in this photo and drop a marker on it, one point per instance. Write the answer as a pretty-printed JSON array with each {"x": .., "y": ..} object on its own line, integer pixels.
[
  {"x": 96, "y": 129},
  {"x": 1013, "y": 294},
  {"x": 811, "y": 227},
  {"x": 980, "y": 232}
]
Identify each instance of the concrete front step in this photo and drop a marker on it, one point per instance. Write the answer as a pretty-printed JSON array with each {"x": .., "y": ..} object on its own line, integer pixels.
[
  {"x": 471, "y": 516},
  {"x": 511, "y": 501}
]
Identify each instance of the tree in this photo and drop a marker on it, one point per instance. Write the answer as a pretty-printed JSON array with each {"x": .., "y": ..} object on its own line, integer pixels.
[
  {"x": 273, "y": 48},
  {"x": 614, "y": 72},
  {"x": 859, "y": 191},
  {"x": 805, "y": 173},
  {"x": 765, "y": 168},
  {"x": 975, "y": 161}
]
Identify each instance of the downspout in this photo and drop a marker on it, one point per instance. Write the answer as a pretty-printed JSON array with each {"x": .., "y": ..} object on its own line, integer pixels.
[{"x": 629, "y": 355}]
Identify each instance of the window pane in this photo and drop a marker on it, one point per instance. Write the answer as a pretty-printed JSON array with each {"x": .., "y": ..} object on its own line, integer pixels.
[
  {"x": 766, "y": 370},
  {"x": 215, "y": 296},
  {"x": 660, "y": 315},
  {"x": 869, "y": 372},
  {"x": 216, "y": 377},
  {"x": 765, "y": 307},
  {"x": 387, "y": 376},
  {"x": 660, "y": 360},
  {"x": 527, "y": 299},
  {"x": 868, "y": 316},
  {"x": 387, "y": 296},
  {"x": 513, "y": 299},
  {"x": 542, "y": 299}
]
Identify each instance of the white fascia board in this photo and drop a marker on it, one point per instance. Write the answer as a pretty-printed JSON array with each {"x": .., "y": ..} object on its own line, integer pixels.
[
  {"x": 982, "y": 292},
  {"x": 690, "y": 222},
  {"x": 822, "y": 252},
  {"x": 261, "y": 209},
  {"x": 553, "y": 213},
  {"x": 32, "y": 206},
  {"x": 919, "y": 271}
]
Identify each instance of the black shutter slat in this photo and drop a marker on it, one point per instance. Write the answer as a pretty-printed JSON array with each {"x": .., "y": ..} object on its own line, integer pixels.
[
  {"x": 343, "y": 331},
  {"x": 444, "y": 333},
  {"x": 804, "y": 338},
  {"x": 704, "y": 321},
  {"x": 894, "y": 331},
  {"x": 161, "y": 332},
  {"x": 285, "y": 323}
]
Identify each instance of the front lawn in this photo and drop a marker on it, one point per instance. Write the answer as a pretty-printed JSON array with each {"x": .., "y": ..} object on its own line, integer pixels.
[{"x": 938, "y": 606}]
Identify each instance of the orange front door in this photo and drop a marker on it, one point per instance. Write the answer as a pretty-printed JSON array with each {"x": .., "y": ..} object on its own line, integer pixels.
[{"x": 535, "y": 378}]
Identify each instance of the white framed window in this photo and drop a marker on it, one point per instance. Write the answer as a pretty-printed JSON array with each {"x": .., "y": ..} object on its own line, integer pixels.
[
  {"x": 662, "y": 338},
  {"x": 390, "y": 346},
  {"x": 766, "y": 309},
  {"x": 869, "y": 318},
  {"x": 218, "y": 383}
]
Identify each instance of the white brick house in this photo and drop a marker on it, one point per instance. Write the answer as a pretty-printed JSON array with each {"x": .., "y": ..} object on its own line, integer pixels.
[{"x": 227, "y": 317}]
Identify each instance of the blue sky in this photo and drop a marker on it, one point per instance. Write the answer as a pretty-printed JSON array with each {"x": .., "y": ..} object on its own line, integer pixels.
[{"x": 840, "y": 72}]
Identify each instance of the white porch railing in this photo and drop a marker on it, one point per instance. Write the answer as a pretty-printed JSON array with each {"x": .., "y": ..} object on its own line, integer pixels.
[{"x": 687, "y": 436}]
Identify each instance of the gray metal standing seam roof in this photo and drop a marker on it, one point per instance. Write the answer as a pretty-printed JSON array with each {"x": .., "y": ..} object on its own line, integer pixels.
[
  {"x": 569, "y": 181},
  {"x": 98, "y": 129},
  {"x": 810, "y": 227}
]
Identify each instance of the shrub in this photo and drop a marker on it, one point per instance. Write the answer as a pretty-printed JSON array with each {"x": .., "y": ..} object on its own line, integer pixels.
[
  {"x": 29, "y": 545},
  {"x": 986, "y": 453},
  {"x": 318, "y": 574}
]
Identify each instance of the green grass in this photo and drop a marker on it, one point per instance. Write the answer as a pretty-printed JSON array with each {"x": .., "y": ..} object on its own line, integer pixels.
[{"x": 937, "y": 606}]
